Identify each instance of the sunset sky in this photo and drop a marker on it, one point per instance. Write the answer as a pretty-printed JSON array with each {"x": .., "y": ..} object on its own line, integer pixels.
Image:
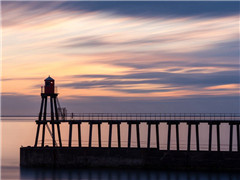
[{"x": 122, "y": 56}]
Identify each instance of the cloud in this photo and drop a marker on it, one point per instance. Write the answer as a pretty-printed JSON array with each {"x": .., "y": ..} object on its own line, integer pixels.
[
  {"x": 130, "y": 49},
  {"x": 157, "y": 9},
  {"x": 176, "y": 80}
]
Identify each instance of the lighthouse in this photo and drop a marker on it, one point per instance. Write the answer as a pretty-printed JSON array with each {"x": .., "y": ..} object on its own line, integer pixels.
[
  {"x": 48, "y": 92},
  {"x": 49, "y": 86}
]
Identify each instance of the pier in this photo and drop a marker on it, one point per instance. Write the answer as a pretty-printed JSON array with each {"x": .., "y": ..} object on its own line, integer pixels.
[
  {"x": 58, "y": 154},
  {"x": 152, "y": 120}
]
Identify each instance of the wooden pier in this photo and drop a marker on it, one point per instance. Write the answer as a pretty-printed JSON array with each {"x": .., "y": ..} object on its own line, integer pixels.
[{"x": 152, "y": 120}]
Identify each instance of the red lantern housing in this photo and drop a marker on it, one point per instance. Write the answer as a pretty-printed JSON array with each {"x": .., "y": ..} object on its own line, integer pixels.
[{"x": 49, "y": 85}]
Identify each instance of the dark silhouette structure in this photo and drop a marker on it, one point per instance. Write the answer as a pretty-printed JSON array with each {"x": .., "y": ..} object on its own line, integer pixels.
[{"x": 48, "y": 90}]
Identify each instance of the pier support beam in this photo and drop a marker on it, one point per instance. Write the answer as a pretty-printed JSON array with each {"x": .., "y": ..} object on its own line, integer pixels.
[
  {"x": 79, "y": 135},
  {"x": 70, "y": 135},
  {"x": 129, "y": 134},
  {"x": 177, "y": 136},
  {"x": 231, "y": 137},
  {"x": 110, "y": 135},
  {"x": 99, "y": 135},
  {"x": 138, "y": 135},
  {"x": 157, "y": 135},
  {"x": 149, "y": 135},
  {"x": 210, "y": 137},
  {"x": 119, "y": 135},
  {"x": 169, "y": 136},
  {"x": 238, "y": 137},
  {"x": 189, "y": 137},
  {"x": 90, "y": 135},
  {"x": 218, "y": 137},
  {"x": 197, "y": 136}
]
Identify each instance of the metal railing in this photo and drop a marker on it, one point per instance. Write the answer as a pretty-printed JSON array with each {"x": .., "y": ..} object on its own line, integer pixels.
[{"x": 150, "y": 116}]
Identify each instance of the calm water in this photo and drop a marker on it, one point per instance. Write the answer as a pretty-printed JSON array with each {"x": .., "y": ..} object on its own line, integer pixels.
[{"x": 17, "y": 132}]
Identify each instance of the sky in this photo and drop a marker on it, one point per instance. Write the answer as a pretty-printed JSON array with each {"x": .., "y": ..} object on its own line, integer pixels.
[{"x": 121, "y": 56}]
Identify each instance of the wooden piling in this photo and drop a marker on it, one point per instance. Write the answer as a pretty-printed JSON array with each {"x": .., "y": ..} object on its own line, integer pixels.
[
  {"x": 90, "y": 135},
  {"x": 210, "y": 137},
  {"x": 79, "y": 135},
  {"x": 70, "y": 135},
  {"x": 189, "y": 137},
  {"x": 99, "y": 135},
  {"x": 238, "y": 137},
  {"x": 110, "y": 135},
  {"x": 230, "y": 137},
  {"x": 138, "y": 135},
  {"x": 218, "y": 137},
  {"x": 149, "y": 135},
  {"x": 197, "y": 137},
  {"x": 169, "y": 136},
  {"x": 119, "y": 135},
  {"x": 129, "y": 134},
  {"x": 177, "y": 136},
  {"x": 157, "y": 136}
]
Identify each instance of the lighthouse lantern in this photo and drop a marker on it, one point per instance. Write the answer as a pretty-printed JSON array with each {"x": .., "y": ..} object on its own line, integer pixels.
[{"x": 49, "y": 85}]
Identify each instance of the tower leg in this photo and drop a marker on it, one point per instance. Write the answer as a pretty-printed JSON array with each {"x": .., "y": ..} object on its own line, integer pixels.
[
  {"x": 36, "y": 140},
  {"x": 41, "y": 108},
  {"x": 52, "y": 122},
  {"x": 39, "y": 119},
  {"x": 44, "y": 119},
  {"x": 43, "y": 134},
  {"x": 59, "y": 135},
  {"x": 57, "y": 119}
]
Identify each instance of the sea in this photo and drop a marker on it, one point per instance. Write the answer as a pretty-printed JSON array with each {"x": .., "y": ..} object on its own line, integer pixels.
[{"x": 21, "y": 131}]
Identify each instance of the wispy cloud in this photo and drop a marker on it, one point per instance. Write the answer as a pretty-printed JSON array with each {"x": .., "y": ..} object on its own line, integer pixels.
[{"x": 122, "y": 49}]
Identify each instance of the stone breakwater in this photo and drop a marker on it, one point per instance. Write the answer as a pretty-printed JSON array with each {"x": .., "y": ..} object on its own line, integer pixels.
[{"x": 85, "y": 157}]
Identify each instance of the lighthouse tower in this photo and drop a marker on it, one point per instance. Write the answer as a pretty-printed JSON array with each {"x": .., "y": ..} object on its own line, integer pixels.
[{"x": 48, "y": 92}]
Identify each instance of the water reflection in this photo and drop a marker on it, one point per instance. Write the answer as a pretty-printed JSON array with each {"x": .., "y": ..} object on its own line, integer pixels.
[{"x": 122, "y": 174}]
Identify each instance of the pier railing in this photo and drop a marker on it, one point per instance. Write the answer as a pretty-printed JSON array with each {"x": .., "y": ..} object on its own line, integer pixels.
[
  {"x": 144, "y": 117},
  {"x": 192, "y": 121}
]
